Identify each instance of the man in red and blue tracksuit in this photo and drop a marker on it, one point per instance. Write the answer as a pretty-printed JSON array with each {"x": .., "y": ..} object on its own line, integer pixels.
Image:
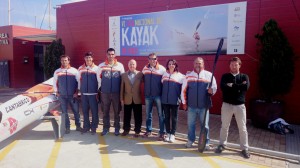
[
  {"x": 109, "y": 79},
  {"x": 65, "y": 86},
  {"x": 88, "y": 86},
  {"x": 153, "y": 88},
  {"x": 195, "y": 99}
]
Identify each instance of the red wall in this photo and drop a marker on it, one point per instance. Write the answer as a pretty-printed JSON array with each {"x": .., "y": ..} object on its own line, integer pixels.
[
  {"x": 83, "y": 26},
  {"x": 6, "y": 50},
  {"x": 21, "y": 75}
]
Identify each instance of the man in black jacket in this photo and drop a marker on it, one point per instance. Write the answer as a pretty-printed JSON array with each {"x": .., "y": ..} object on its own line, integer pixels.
[{"x": 234, "y": 86}]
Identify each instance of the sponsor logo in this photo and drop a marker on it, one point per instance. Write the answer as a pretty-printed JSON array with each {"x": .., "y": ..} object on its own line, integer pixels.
[
  {"x": 237, "y": 21},
  {"x": 235, "y": 41},
  {"x": 237, "y": 15},
  {"x": 28, "y": 112},
  {"x": 236, "y": 28},
  {"x": 236, "y": 44},
  {"x": 235, "y": 35},
  {"x": 237, "y": 9},
  {"x": 116, "y": 74},
  {"x": 17, "y": 104},
  {"x": 109, "y": 74},
  {"x": 11, "y": 124}
]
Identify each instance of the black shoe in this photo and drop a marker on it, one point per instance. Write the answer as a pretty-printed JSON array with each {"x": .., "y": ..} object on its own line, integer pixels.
[
  {"x": 246, "y": 154},
  {"x": 220, "y": 149},
  {"x": 93, "y": 131},
  {"x": 161, "y": 137},
  {"x": 147, "y": 134},
  {"x": 67, "y": 131},
  {"x": 85, "y": 130},
  {"x": 117, "y": 132},
  {"x": 78, "y": 128},
  {"x": 125, "y": 133},
  {"x": 104, "y": 132}
]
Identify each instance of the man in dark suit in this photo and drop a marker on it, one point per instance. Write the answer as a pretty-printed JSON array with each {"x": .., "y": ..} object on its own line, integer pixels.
[{"x": 130, "y": 95}]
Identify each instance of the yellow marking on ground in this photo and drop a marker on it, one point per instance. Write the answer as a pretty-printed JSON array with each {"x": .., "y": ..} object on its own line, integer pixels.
[
  {"x": 104, "y": 152},
  {"x": 206, "y": 156},
  {"x": 7, "y": 149},
  {"x": 154, "y": 155},
  {"x": 54, "y": 154}
]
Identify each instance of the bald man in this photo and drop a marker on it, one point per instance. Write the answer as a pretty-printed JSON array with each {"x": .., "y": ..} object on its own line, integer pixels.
[
  {"x": 194, "y": 96},
  {"x": 130, "y": 95}
]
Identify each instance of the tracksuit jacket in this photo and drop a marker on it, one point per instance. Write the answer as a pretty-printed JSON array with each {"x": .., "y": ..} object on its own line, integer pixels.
[
  {"x": 171, "y": 88},
  {"x": 65, "y": 81},
  {"x": 87, "y": 78},
  {"x": 194, "y": 89},
  {"x": 109, "y": 77},
  {"x": 152, "y": 79}
]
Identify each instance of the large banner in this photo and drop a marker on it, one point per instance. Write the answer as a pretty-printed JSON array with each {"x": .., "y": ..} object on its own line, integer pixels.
[{"x": 180, "y": 32}]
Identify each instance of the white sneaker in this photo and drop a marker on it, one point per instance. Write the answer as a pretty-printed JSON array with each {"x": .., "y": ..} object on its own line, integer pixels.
[
  {"x": 172, "y": 138},
  {"x": 167, "y": 138},
  {"x": 209, "y": 147},
  {"x": 189, "y": 144}
]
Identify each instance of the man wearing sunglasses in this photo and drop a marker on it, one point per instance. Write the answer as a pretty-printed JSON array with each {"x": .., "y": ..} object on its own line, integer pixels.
[{"x": 153, "y": 72}]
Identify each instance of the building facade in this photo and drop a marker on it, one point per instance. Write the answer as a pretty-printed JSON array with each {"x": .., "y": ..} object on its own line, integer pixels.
[
  {"x": 23, "y": 48},
  {"x": 84, "y": 26}
]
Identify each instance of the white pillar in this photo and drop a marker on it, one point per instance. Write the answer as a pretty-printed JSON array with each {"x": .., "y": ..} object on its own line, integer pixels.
[
  {"x": 8, "y": 12},
  {"x": 49, "y": 14}
]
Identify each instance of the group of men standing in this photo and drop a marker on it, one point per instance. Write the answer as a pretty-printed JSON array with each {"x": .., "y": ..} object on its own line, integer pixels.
[{"x": 166, "y": 87}]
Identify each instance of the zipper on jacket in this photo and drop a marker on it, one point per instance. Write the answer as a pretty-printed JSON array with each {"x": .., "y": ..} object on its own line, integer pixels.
[
  {"x": 197, "y": 88},
  {"x": 67, "y": 81},
  {"x": 87, "y": 80},
  {"x": 151, "y": 82},
  {"x": 168, "y": 89},
  {"x": 111, "y": 77}
]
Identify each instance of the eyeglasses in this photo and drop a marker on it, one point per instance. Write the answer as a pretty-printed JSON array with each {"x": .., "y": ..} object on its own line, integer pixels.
[{"x": 152, "y": 58}]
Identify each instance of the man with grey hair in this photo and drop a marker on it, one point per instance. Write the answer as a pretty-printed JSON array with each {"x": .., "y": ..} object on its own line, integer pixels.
[
  {"x": 130, "y": 95},
  {"x": 195, "y": 99}
]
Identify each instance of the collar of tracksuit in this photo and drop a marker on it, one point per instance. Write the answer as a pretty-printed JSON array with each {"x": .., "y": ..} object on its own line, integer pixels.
[
  {"x": 84, "y": 65},
  {"x": 156, "y": 66},
  {"x": 69, "y": 66},
  {"x": 115, "y": 62}
]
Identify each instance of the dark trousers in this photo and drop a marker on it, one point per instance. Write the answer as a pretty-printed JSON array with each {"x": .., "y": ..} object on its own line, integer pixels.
[
  {"x": 171, "y": 112},
  {"x": 106, "y": 100},
  {"x": 89, "y": 102},
  {"x": 137, "y": 113},
  {"x": 73, "y": 102}
]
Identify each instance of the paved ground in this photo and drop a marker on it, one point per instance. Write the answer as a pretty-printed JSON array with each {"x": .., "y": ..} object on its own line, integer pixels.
[{"x": 35, "y": 147}]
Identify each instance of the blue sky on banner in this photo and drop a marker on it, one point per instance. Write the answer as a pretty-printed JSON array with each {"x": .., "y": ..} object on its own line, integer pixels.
[
  {"x": 174, "y": 32},
  {"x": 30, "y": 13}
]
